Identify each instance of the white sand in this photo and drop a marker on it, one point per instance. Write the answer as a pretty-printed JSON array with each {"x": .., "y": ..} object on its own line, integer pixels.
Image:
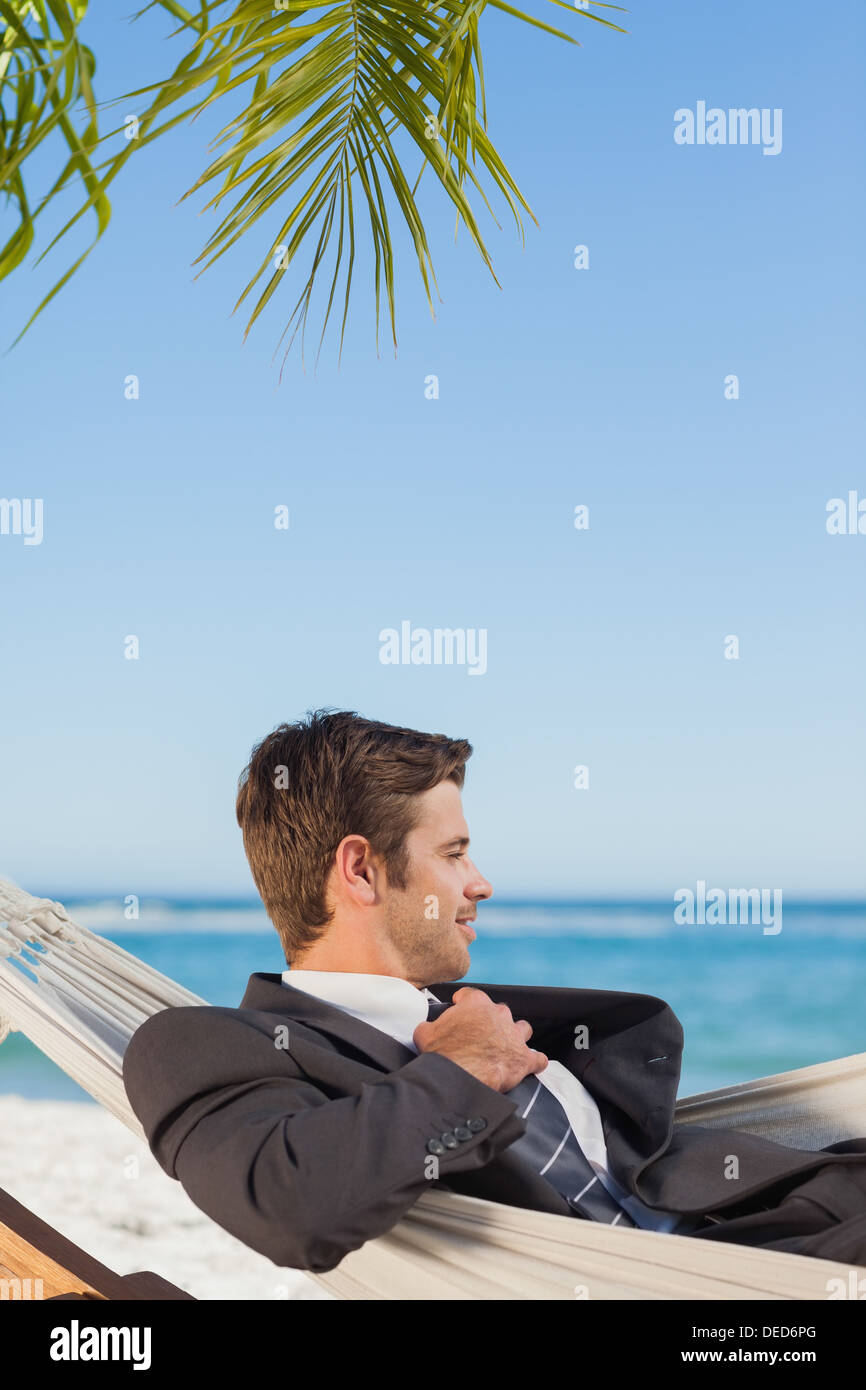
[{"x": 78, "y": 1168}]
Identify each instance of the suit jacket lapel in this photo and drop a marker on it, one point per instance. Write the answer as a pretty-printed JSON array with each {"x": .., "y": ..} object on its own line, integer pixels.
[{"x": 267, "y": 993}]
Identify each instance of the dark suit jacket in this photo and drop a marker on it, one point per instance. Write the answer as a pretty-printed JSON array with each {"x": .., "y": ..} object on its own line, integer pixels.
[{"x": 304, "y": 1132}]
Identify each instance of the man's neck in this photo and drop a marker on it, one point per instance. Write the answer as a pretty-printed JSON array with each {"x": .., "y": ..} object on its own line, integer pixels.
[{"x": 357, "y": 961}]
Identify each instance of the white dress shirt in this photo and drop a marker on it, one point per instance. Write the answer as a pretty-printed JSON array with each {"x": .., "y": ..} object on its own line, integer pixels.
[{"x": 396, "y": 1007}]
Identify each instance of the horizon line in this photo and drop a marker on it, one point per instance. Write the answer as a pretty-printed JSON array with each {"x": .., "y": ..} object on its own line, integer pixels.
[{"x": 193, "y": 897}]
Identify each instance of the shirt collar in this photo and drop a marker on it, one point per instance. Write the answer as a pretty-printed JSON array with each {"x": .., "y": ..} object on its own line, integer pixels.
[{"x": 386, "y": 1002}]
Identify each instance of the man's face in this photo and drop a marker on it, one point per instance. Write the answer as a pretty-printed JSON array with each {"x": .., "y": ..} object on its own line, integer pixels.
[{"x": 427, "y": 921}]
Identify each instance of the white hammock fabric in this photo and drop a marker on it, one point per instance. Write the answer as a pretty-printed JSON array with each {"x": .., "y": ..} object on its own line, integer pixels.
[{"x": 83, "y": 997}]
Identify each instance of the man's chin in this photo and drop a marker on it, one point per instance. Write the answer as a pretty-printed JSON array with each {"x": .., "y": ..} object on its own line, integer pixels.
[
  {"x": 451, "y": 967},
  {"x": 459, "y": 963}
]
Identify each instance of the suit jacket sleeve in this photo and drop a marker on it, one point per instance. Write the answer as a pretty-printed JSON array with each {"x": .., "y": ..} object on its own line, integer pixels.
[{"x": 262, "y": 1149}]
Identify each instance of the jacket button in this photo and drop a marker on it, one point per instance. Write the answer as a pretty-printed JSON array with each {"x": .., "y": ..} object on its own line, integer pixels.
[
  {"x": 435, "y": 1146},
  {"x": 449, "y": 1139},
  {"x": 477, "y": 1124},
  {"x": 463, "y": 1133}
]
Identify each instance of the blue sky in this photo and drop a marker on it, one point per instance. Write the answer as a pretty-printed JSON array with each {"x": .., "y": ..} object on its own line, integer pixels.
[{"x": 602, "y": 387}]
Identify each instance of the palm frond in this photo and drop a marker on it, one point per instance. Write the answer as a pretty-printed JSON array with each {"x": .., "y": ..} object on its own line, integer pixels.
[
  {"x": 46, "y": 75},
  {"x": 340, "y": 98},
  {"x": 334, "y": 100}
]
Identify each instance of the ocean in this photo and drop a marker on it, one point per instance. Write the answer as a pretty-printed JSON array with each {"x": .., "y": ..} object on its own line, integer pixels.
[{"x": 751, "y": 1002}]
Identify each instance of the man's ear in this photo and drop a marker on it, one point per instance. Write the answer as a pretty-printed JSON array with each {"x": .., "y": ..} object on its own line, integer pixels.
[{"x": 357, "y": 871}]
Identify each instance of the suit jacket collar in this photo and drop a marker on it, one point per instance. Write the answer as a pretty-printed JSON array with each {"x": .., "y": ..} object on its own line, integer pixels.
[
  {"x": 267, "y": 993},
  {"x": 387, "y": 1002}
]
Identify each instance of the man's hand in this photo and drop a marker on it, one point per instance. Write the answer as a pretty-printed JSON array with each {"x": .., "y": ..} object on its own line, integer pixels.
[{"x": 482, "y": 1038}]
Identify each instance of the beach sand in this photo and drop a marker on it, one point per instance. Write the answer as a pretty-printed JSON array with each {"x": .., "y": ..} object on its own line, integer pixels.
[{"x": 78, "y": 1168}]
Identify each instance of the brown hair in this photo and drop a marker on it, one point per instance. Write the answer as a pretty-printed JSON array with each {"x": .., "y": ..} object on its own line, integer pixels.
[{"x": 309, "y": 784}]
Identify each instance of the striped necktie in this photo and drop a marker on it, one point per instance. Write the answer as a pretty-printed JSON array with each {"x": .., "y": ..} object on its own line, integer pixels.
[{"x": 550, "y": 1146}]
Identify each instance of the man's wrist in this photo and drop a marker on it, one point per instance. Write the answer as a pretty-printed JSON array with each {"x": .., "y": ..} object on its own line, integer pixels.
[{"x": 489, "y": 1074}]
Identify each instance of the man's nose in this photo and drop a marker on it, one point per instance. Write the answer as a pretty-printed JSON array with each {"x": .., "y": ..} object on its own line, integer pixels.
[{"x": 478, "y": 886}]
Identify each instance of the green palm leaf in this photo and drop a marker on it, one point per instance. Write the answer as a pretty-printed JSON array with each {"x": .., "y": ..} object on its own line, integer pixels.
[
  {"x": 335, "y": 102},
  {"x": 342, "y": 98},
  {"x": 45, "y": 77}
]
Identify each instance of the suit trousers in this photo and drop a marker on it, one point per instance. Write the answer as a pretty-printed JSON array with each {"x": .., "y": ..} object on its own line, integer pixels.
[{"x": 823, "y": 1216}]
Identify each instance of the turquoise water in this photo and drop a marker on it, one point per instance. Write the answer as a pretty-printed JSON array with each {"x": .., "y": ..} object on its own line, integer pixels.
[{"x": 751, "y": 1004}]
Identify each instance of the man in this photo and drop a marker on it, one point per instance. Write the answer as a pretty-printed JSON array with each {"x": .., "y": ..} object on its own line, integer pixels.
[{"x": 310, "y": 1119}]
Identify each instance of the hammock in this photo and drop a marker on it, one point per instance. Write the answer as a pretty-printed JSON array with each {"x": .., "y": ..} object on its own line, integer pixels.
[{"x": 80, "y": 997}]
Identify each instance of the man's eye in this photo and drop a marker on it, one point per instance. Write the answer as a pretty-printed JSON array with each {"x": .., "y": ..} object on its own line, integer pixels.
[{"x": 459, "y": 855}]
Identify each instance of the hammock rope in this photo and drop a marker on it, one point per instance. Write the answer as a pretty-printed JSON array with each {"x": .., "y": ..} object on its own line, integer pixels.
[{"x": 80, "y": 997}]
